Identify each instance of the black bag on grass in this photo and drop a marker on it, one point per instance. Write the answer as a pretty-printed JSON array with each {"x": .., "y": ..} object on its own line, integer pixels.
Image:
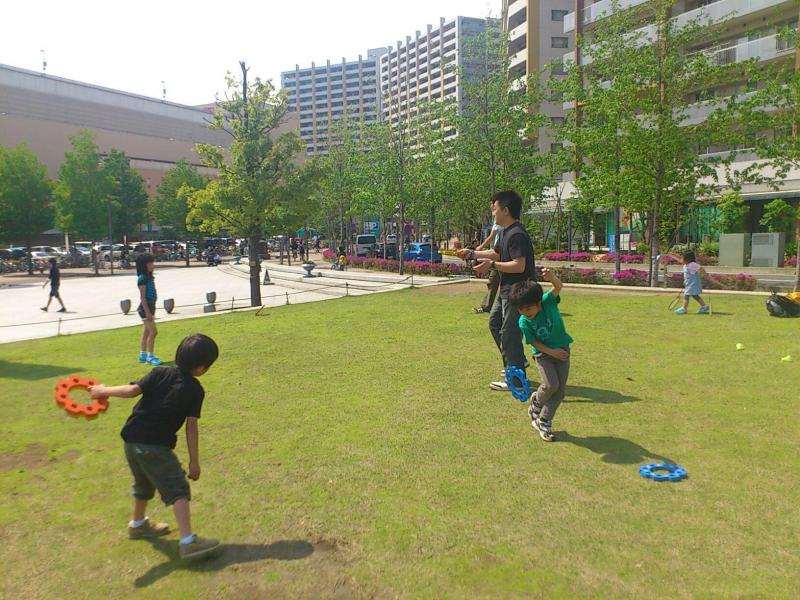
[{"x": 781, "y": 306}]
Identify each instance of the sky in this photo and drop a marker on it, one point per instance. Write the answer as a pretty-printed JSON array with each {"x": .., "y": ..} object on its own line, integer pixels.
[{"x": 134, "y": 46}]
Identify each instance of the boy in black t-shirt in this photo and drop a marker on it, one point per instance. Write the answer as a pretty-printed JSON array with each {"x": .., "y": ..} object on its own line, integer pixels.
[{"x": 170, "y": 396}]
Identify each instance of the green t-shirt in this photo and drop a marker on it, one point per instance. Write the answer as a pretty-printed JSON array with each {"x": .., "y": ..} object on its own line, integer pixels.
[{"x": 546, "y": 327}]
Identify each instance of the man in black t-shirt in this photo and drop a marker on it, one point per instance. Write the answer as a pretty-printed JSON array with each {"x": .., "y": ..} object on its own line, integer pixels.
[
  {"x": 54, "y": 277},
  {"x": 512, "y": 257}
]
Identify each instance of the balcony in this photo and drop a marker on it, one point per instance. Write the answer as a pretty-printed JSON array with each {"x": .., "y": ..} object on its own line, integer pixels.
[
  {"x": 764, "y": 49},
  {"x": 518, "y": 31},
  {"x": 517, "y": 58},
  {"x": 713, "y": 11}
]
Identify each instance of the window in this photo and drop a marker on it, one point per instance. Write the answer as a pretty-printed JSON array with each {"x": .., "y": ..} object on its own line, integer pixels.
[
  {"x": 557, "y": 121},
  {"x": 559, "y": 42},
  {"x": 558, "y": 15},
  {"x": 555, "y": 148}
]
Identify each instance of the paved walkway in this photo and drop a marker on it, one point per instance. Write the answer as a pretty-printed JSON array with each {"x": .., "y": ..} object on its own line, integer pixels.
[{"x": 93, "y": 303}]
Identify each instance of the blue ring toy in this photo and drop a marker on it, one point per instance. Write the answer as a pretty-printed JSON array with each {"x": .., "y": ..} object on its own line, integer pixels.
[
  {"x": 522, "y": 391},
  {"x": 673, "y": 472}
]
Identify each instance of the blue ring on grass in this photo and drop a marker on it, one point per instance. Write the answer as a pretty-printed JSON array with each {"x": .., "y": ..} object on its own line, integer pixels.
[
  {"x": 673, "y": 472},
  {"x": 522, "y": 391}
]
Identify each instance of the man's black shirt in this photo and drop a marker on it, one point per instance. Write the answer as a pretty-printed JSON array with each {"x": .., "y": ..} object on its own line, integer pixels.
[{"x": 515, "y": 242}]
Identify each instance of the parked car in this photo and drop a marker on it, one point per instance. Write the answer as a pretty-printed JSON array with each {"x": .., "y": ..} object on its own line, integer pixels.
[
  {"x": 48, "y": 251},
  {"x": 106, "y": 251},
  {"x": 391, "y": 238},
  {"x": 421, "y": 251},
  {"x": 391, "y": 251},
  {"x": 364, "y": 244},
  {"x": 13, "y": 253}
]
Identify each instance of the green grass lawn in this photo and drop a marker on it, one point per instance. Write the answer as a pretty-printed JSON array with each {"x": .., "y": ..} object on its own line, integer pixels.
[{"x": 352, "y": 449}]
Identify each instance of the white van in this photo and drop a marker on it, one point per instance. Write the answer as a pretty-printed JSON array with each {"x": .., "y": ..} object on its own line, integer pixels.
[{"x": 364, "y": 244}]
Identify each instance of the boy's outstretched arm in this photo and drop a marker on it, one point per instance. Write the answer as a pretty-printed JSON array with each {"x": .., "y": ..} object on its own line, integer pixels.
[
  {"x": 552, "y": 278},
  {"x": 119, "y": 391},
  {"x": 193, "y": 443}
]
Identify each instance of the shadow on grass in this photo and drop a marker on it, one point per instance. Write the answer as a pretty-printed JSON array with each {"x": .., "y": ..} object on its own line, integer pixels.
[
  {"x": 599, "y": 395},
  {"x": 618, "y": 451},
  {"x": 224, "y": 556},
  {"x": 33, "y": 372}
]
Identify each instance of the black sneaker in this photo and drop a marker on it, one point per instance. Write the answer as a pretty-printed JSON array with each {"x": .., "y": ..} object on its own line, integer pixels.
[{"x": 543, "y": 427}]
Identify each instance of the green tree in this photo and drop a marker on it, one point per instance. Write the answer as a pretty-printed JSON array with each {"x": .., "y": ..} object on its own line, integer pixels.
[
  {"x": 127, "y": 195},
  {"x": 170, "y": 206},
  {"x": 82, "y": 189},
  {"x": 637, "y": 88},
  {"x": 25, "y": 197},
  {"x": 779, "y": 216},
  {"x": 258, "y": 174},
  {"x": 732, "y": 212},
  {"x": 495, "y": 127}
]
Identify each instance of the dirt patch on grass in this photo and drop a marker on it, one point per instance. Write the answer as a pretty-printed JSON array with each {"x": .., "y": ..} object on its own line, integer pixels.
[{"x": 33, "y": 457}]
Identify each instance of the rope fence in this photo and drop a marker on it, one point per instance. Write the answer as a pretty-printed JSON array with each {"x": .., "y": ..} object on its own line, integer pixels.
[{"x": 231, "y": 305}]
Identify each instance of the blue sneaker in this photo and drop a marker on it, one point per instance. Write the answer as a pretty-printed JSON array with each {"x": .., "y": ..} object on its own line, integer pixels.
[
  {"x": 153, "y": 360},
  {"x": 704, "y": 310},
  {"x": 142, "y": 357},
  {"x": 680, "y": 311}
]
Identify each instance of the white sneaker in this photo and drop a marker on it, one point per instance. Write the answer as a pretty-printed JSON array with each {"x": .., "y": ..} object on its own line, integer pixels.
[{"x": 499, "y": 386}]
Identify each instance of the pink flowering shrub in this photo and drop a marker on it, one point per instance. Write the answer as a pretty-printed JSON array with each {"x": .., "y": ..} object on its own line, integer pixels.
[
  {"x": 718, "y": 281},
  {"x": 386, "y": 264},
  {"x": 591, "y": 276},
  {"x": 633, "y": 277},
  {"x": 669, "y": 259},
  {"x": 790, "y": 262},
  {"x": 576, "y": 256}
]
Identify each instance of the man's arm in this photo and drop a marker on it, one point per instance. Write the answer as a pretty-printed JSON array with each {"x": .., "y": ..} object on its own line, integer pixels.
[
  {"x": 489, "y": 238},
  {"x": 193, "y": 444}
]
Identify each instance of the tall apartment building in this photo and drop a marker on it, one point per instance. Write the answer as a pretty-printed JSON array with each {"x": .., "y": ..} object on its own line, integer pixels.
[
  {"x": 536, "y": 39},
  {"x": 415, "y": 71},
  {"x": 750, "y": 31},
  {"x": 324, "y": 94}
]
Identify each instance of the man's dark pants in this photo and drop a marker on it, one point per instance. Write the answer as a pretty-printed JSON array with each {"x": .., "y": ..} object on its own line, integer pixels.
[{"x": 504, "y": 325}]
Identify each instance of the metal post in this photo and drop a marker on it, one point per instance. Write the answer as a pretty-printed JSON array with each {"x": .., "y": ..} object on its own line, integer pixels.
[
  {"x": 59, "y": 326},
  {"x": 287, "y": 297},
  {"x": 110, "y": 240}
]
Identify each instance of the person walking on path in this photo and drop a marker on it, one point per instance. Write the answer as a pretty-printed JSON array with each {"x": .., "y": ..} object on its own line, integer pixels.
[
  {"x": 513, "y": 258},
  {"x": 55, "y": 282},
  {"x": 493, "y": 280}
]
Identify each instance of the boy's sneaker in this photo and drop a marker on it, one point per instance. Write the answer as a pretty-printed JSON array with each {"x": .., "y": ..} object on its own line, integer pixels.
[
  {"x": 680, "y": 311},
  {"x": 197, "y": 547},
  {"x": 44, "y": 308},
  {"x": 148, "y": 529},
  {"x": 142, "y": 357},
  {"x": 154, "y": 360},
  {"x": 543, "y": 427},
  {"x": 62, "y": 310},
  {"x": 704, "y": 310},
  {"x": 534, "y": 409},
  {"x": 499, "y": 386}
]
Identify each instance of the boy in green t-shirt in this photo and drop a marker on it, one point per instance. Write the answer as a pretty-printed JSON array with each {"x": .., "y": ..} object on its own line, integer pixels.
[{"x": 543, "y": 328}]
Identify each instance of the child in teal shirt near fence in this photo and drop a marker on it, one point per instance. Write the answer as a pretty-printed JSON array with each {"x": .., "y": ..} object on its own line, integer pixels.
[{"x": 543, "y": 328}]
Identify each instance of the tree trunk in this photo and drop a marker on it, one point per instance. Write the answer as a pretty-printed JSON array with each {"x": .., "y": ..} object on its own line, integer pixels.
[
  {"x": 255, "y": 287},
  {"x": 617, "y": 237},
  {"x": 797, "y": 253},
  {"x": 30, "y": 257}
]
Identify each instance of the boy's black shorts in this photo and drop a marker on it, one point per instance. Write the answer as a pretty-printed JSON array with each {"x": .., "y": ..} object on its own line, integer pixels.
[
  {"x": 141, "y": 312},
  {"x": 156, "y": 468}
]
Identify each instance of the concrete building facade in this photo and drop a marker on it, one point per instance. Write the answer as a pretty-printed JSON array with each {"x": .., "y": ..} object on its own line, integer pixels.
[
  {"x": 750, "y": 31},
  {"x": 537, "y": 40},
  {"x": 324, "y": 94},
  {"x": 43, "y": 111}
]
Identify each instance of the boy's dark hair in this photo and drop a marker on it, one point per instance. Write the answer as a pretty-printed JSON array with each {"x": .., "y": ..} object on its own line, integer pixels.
[
  {"x": 688, "y": 256},
  {"x": 511, "y": 200},
  {"x": 141, "y": 264},
  {"x": 525, "y": 293},
  {"x": 52, "y": 261},
  {"x": 196, "y": 350}
]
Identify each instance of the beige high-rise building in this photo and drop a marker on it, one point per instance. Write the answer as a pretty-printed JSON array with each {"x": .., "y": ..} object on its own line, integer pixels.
[
  {"x": 536, "y": 39},
  {"x": 323, "y": 94},
  {"x": 416, "y": 71}
]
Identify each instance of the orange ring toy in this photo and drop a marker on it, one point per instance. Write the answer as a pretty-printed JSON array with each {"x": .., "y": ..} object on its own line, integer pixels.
[{"x": 90, "y": 411}]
